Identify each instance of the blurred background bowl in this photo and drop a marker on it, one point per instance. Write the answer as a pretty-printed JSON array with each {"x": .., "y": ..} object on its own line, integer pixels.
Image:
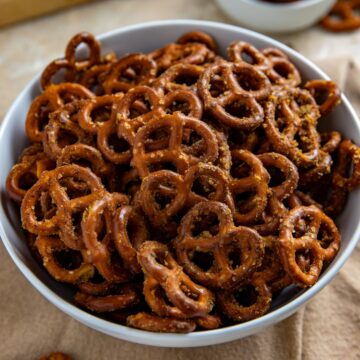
[{"x": 276, "y": 17}]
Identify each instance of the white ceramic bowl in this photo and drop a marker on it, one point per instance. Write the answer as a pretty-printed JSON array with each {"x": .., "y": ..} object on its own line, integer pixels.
[
  {"x": 276, "y": 17},
  {"x": 146, "y": 37}
]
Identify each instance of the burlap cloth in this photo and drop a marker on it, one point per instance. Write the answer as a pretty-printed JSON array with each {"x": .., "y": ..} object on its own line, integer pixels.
[{"x": 327, "y": 328}]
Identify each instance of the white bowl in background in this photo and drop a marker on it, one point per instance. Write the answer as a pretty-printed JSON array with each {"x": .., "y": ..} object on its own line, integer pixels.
[
  {"x": 276, "y": 17},
  {"x": 146, "y": 37}
]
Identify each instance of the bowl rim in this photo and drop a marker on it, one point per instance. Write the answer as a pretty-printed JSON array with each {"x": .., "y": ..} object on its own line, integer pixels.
[
  {"x": 297, "y": 5},
  {"x": 191, "y": 339}
]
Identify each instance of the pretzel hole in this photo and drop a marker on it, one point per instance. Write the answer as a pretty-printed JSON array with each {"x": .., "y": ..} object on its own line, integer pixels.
[
  {"x": 179, "y": 106},
  {"x": 204, "y": 260},
  {"x": 131, "y": 74},
  {"x": 303, "y": 142},
  {"x": 240, "y": 169},
  {"x": 27, "y": 180},
  {"x": 43, "y": 115},
  {"x": 267, "y": 261},
  {"x": 246, "y": 296},
  {"x": 205, "y": 225},
  {"x": 304, "y": 259},
  {"x": 234, "y": 256},
  {"x": 161, "y": 294},
  {"x": 68, "y": 259},
  {"x": 238, "y": 109},
  {"x": 163, "y": 200},
  {"x": 301, "y": 227},
  {"x": 65, "y": 137},
  {"x": 139, "y": 107},
  {"x": 244, "y": 201},
  {"x": 117, "y": 144},
  {"x": 320, "y": 95},
  {"x": 204, "y": 186},
  {"x": 74, "y": 187},
  {"x": 324, "y": 236},
  {"x": 248, "y": 81},
  {"x": 84, "y": 54},
  {"x": 158, "y": 139},
  {"x": 283, "y": 69},
  {"x": 217, "y": 86},
  {"x": 44, "y": 208},
  {"x": 101, "y": 114},
  {"x": 281, "y": 121},
  {"x": 277, "y": 177},
  {"x": 76, "y": 218},
  {"x": 68, "y": 97},
  {"x": 186, "y": 78}
]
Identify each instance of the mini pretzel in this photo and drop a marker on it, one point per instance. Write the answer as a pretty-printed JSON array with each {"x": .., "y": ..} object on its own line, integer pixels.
[
  {"x": 321, "y": 241},
  {"x": 178, "y": 77},
  {"x": 327, "y": 89},
  {"x": 348, "y": 155},
  {"x": 321, "y": 167},
  {"x": 342, "y": 17},
  {"x": 47, "y": 246},
  {"x": 198, "y": 37},
  {"x": 100, "y": 251},
  {"x": 150, "y": 322},
  {"x": 50, "y": 100},
  {"x": 228, "y": 241},
  {"x": 175, "y": 153},
  {"x": 132, "y": 70},
  {"x": 254, "y": 183},
  {"x": 130, "y": 232},
  {"x": 284, "y": 120},
  {"x": 189, "y": 53},
  {"x": 26, "y": 172},
  {"x": 127, "y": 125},
  {"x": 70, "y": 63},
  {"x": 243, "y": 52},
  {"x": 157, "y": 262},
  {"x": 289, "y": 172},
  {"x": 62, "y": 130},
  {"x": 231, "y": 307},
  {"x": 244, "y": 84},
  {"x": 124, "y": 297}
]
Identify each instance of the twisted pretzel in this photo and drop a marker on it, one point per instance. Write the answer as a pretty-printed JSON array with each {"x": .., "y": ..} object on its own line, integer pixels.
[
  {"x": 320, "y": 242},
  {"x": 235, "y": 252},
  {"x": 175, "y": 152},
  {"x": 236, "y": 105},
  {"x": 342, "y": 17},
  {"x": 53, "y": 98},
  {"x": 157, "y": 262}
]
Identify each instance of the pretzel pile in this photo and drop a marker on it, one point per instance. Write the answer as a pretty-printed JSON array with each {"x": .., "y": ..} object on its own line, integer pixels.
[{"x": 181, "y": 190}]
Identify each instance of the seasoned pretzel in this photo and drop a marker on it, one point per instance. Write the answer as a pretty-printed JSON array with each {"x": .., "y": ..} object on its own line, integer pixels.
[
  {"x": 326, "y": 94},
  {"x": 321, "y": 242},
  {"x": 243, "y": 52},
  {"x": 288, "y": 170},
  {"x": 243, "y": 86},
  {"x": 227, "y": 243},
  {"x": 253, "y": 182},
  {"x": 129, "y": 71},
  {"x": 198, "y": 37},
  {"x": 100, "y": 252},
  {"x": 330, "y": 141},
  {"x": 348, "y": 155},
  {"x": 157, "y": 262},
  {"x": 179, "y": 77},
  {"x": 63, "y": 130},
  {"x": 321, "y": 167},
  {"x": 50, "y": 183},
  {"x": 78, "y": 271},
  {"x": 291, "y": 116},
  {"x": 175, "y": 152},
  {"x": 150, "y": 322},
  {"x": 69, "y": 62},
  {"x": 53, "y": 98},
  {"x": 256, "y": 292},
  {"x": 26, "y": 172},
  {"x": 130, "y": 232},
  {"x": 342, "y": 17},
  {"x": 189, "y": 53},
  {"x": 124, "y": 297}
]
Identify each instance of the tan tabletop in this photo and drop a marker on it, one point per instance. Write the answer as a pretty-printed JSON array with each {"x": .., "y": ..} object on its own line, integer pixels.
[{"x": 327, "y": 328}]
